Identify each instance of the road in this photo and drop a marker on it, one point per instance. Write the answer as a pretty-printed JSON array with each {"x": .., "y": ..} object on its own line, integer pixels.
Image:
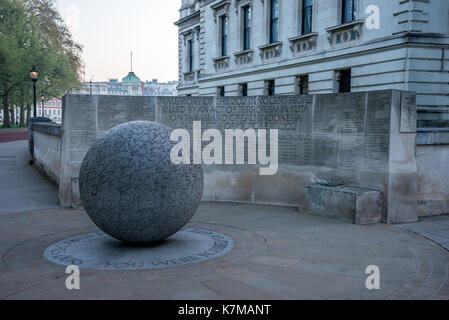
[{"x": 8, "y": 135}]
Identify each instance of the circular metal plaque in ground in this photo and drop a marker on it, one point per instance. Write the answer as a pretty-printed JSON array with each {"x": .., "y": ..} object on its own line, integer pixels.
[{"x": 99, "y": 251}]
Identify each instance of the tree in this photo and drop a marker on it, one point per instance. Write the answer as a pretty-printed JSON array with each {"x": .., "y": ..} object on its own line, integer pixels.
[{"x": 33, "y": 33}]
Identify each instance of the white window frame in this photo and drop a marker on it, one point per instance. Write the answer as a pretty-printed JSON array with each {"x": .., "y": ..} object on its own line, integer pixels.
[{"x": 240, "y": 5}]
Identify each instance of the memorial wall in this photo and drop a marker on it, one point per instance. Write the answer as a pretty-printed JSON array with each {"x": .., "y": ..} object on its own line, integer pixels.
[{"x": 363, "y": 139}]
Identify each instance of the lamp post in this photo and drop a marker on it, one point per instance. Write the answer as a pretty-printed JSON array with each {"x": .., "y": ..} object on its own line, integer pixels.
[
  {"x": 43, "y": 102},
  {"x": 33, "y": 76}
]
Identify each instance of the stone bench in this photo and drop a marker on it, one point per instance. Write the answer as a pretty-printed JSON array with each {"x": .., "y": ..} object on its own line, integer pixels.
[{"x": 351, "y": 204}]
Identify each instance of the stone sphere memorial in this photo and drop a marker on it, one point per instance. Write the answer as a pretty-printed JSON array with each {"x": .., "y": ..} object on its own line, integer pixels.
[{"x": 130, "y": 188}]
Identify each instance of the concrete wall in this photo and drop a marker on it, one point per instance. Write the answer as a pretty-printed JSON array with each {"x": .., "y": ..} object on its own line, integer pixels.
[
  {"x": 47, "y": 149},
  {"x": 359, "y": 139},
  {"x": 432, "y": 159},
  {"x": 432, "y": 154}
]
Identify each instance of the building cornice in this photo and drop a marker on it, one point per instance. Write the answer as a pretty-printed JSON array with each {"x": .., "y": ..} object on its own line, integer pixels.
[
  {"x": 395, "y": 41},
  {"x": 348, "y": 25},
  {"x": 220, "y": 4},
  {"x": 192, "y": 16}
]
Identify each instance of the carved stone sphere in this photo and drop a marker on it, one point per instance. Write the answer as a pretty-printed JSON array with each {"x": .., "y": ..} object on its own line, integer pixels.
[{"x": 130, "y": 188}]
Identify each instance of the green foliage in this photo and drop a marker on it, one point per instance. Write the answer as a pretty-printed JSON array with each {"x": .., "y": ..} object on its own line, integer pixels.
[{"x": 33, "y": 33}]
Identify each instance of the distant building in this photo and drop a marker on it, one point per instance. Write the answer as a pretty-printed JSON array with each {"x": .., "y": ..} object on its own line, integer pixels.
[
  {"x": 52, "y": 109},
  {"x": 155, "y": 88},
  {"x": 131, "y": 85},
  {"x": 97, "y": 88},
  {"x": 116, "y": 88}
]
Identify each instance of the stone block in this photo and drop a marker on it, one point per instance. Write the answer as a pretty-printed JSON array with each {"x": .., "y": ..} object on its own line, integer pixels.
[
  {"x": 31, "y": 123},
  {"x": 351, "y": 204}
]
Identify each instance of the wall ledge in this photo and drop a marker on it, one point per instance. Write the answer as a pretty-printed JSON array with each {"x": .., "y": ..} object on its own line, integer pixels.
[
  {"x": 432, "y": 136},
  {"x": 49, "y": 128}
]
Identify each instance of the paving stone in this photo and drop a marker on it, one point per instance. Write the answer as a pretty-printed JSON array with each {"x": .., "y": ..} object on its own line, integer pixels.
[
  {"x": 440, "y": 219},
  {"x": 21, "y": 186},
  {"x": 435, "y": 237},
  {"x": 231, "y": 289},
  {"x": 422, "y": 226},
  {"x": 442, "y": 233}
]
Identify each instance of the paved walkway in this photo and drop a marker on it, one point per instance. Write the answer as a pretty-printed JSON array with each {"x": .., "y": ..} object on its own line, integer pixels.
[
  {"x": 433, "y": 228},
  {"x": 22, "y": 188},
  {"x": 278, "y": 253}
]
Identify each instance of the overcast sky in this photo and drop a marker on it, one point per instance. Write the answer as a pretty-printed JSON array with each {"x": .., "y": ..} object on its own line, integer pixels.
[{"x": 110, "y": 29}]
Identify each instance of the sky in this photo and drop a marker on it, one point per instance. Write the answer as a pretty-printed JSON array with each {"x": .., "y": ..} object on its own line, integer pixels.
[{"x": 109, "y": 30}]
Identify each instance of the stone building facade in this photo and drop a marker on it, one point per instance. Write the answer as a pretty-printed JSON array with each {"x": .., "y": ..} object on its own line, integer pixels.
[{"x": 259, "y": 47}]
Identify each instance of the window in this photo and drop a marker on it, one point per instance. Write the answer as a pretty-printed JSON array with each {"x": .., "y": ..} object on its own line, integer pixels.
[
  {"x": 244, "y": 89},
  {"x": 190, "y": 54},
  {"x": 224, "y": 35},
  {"x": 344, "y": 81},
  {"x": 274, "y": 21},
  {"x": 307, "y": 10},
  {"x": 246, "y": 27},
  {"x": 302, "y": 84},
  {"x": 270, "y": 87},
  {"x": 348, "y": 11},
  {"x": 221, "y": 91}
]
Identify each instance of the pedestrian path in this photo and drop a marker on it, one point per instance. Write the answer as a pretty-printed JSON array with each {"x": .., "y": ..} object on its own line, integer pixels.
[
  {"x": 433, "y": 228},
  {"x": 22, "y": 188},
  {"x": 278, "y": 253}
]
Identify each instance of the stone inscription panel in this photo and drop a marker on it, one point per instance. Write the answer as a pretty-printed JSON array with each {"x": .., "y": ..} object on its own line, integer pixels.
[
  {"x": 82, "y": 112},
  {"x": 325, "y": 150},
  {"x": 378, "y": 112},
  {"x": 349, "y": 131},
  {"x": 292, "y": 116},
  {"x": 375, "y": 152},
  {"x": 351, "y": 113},
  {"x": 342, "y": 113},
  {"x": 351, "y": 152},
  {"x": 90, "y": 116},
  {"x": 115, "y": 110},
  {"x": 180, "y": 112},
  {"x": 408, "y": 112},
  {"x": 81, "y": 129}
]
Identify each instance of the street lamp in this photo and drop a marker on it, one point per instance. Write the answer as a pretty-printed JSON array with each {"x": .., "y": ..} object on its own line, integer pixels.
[
  {"x": 33, "y": 76},
  {"x": 43, "y": 101}
]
